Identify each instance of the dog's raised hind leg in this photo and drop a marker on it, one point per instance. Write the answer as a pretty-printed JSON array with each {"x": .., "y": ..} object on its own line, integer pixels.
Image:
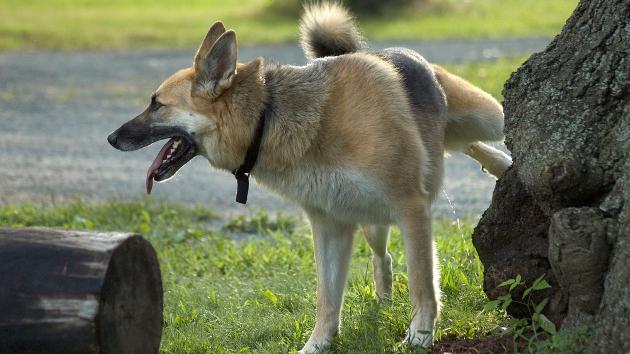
[
  {"x": 333, "y": 249},
  {"x": 415, "y": 225},
  {"x": 376, "y": 236},
  {"x": 492, "y": 160}
]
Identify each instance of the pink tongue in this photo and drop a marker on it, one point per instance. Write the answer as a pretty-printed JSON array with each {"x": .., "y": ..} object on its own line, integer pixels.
[{"x": 156, "y": 164}]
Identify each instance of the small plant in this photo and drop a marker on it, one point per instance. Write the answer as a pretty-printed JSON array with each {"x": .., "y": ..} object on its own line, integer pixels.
[{"x": 528, "y": 330}]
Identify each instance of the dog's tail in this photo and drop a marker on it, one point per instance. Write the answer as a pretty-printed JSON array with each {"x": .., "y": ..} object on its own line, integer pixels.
[
  {"x": 473, "y": 116},
  {"x": 328, "y": 29}
]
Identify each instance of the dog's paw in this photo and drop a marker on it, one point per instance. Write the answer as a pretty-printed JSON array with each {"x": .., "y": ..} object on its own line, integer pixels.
[
  {"x": 419, "y": 338},
  {"x": 314, "y": 346}
]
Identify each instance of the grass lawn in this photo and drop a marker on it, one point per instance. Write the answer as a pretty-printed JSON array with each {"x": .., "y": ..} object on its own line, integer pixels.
[
  {"x": 121, "y": 24},
  {"x": 248, "y": 284},
  {"x": 488, "y": 75}
]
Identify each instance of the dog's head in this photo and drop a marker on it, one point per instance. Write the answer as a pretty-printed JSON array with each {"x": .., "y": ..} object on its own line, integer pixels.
[{"x": 208, "y": 109}]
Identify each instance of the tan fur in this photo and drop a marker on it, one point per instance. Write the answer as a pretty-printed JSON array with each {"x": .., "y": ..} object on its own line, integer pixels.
[
  {"x": 356, "y": 139},
  {"x": 215, "y": 31},
  {"x": 328, "y": 28},
  {"x": 342, "y": 140},
  {"x": 493, "y": 160},
  {"x": 226, "y": 139},
  {"x": 473, "y": 114},
  {"x": 376, "y": 236}
]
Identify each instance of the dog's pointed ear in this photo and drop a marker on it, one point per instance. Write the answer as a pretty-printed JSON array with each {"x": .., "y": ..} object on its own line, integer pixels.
[
  {"x": 215, "y": 31},
  {"x": 216, "y": 70}
]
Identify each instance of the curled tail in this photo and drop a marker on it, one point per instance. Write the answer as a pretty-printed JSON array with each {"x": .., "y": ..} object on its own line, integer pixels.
[
  {"x": 473, "y": 116},
  {"x": 328, "y": 29}
]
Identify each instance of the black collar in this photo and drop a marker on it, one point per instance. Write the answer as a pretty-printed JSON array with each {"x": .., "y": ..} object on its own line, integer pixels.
[{"x": 242, "y": 173}]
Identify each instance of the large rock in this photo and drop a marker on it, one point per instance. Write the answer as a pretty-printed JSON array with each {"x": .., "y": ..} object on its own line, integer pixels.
[{"x": 563, "y": 209}]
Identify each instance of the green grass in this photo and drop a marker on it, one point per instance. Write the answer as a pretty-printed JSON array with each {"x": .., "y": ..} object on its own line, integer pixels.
[
  {"x": 122, "y": 24},
  {"x": 248, "y": 284},
  {"x": 488, "y": 75}
]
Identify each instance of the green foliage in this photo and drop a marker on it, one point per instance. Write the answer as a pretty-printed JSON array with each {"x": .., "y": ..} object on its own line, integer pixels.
[
  {"x": 573, "y": 341},
  {"x": 225, "y": 293},
  {"x": 489, "y": 75},
  {"x": 377, "y": 7},
  {"x": 157, "y": 218},
  {"x": 122, "y": 24},
  {"x": 538, "y": 333}
]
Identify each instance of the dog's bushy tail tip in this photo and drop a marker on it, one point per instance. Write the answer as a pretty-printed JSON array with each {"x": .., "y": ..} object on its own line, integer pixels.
[{"x": 328, "y": 29}]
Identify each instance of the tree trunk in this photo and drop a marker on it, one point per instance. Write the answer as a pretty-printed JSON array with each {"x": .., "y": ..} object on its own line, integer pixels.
[
  {"x": 78, "y": 292},
  {"x": 564, "y": 207}
]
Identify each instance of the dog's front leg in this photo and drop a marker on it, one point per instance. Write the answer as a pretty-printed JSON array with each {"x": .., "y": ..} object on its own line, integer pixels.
[
  {"x": 333, "y": 248},
  {"x": 415, "y": 224}
]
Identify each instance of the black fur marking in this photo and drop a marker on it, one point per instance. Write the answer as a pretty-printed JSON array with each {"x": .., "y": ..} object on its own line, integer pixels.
[{"x": 420, "y": 83}]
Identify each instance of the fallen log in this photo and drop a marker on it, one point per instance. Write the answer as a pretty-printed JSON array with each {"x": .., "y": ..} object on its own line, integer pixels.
[{"x": 78, "y": 292}]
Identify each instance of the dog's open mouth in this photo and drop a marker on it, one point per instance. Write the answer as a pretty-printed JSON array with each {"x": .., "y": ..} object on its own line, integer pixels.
[{"x": 175, "y": 154}]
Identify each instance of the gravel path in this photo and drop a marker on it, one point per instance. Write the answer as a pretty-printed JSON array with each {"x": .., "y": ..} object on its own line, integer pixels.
[{"x": 56, "y": 110}]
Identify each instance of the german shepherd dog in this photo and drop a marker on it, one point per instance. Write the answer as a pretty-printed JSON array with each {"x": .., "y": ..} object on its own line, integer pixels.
[{"x": 354, "y": 137}]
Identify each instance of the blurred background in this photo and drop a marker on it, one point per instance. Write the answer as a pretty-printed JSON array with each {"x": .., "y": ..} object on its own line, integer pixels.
[{"x": 71, "y": 71}]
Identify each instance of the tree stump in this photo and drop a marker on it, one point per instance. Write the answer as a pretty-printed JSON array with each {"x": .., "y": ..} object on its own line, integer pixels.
[
  {"x": 78, "y": 292},
  {"x": 563, "y": 209}
]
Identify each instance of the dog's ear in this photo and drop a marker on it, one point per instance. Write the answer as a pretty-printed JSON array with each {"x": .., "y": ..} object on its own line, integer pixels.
[
  {"x": 215, "y": 31},
  {"x": 249, "y": 68},
  {"x": 216, "y": 70}
]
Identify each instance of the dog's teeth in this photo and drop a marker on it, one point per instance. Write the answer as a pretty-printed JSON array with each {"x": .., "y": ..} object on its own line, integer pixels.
[
  {"x": 172, "y": 150},
  {"x": 175, "y": 145}
]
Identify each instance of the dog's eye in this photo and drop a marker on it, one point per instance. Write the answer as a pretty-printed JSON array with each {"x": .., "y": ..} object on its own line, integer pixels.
[{"x": 155, "y": 105}]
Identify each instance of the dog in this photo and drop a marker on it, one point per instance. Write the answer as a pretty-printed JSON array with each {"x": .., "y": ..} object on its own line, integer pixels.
[{"x": 354, "y": 137}]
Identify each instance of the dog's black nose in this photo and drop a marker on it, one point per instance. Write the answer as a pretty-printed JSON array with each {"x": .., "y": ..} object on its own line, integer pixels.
[{"x": 112, "y": 138}]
